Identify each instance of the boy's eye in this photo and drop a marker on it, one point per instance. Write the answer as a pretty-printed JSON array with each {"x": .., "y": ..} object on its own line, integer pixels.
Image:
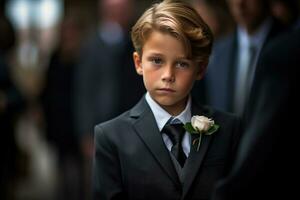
[
  {"x": 182, "y": 64},
  {"x": 156, "y": 61}
]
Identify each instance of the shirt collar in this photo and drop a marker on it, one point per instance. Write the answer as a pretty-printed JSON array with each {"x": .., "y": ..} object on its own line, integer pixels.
[
  {"x": 162, "y": 117},
  {"x": 257, "y": 38}
]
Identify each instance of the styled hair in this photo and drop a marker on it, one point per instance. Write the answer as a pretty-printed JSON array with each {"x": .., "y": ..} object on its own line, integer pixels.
[{"x": 180, "y": 20}]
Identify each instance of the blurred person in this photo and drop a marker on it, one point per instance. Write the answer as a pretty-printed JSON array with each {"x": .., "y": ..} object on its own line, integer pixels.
[
  {"x": 11, "y": 105},
  {"x": 286, "y": 11},
  {"x": 266, "y": 163},
  {"x": 215, "y": 15},
  {"x": 58, "y": 105},
  {"x": 145, "y": 153},
  {"x": 232, "y": 65},
  {"x": 105, "y": 58},
  {"x": 105, "y": 73}
]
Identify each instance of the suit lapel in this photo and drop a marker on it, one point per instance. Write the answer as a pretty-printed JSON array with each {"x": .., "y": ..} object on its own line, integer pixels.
[
  {"x": 195, "y": 159},
  {"x": 231, "y": 67},
  {"x": 146, "y": 128}
]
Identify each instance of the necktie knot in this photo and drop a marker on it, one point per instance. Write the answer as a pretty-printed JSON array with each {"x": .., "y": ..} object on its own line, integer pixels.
[{"x": 176, "y": 133}]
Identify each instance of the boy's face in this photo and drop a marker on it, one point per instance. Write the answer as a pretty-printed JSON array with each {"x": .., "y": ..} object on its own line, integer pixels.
[{"x": 168, "y": 75}]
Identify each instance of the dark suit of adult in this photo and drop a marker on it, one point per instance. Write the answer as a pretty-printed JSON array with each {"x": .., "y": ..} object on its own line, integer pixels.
[
  {"x": 266, "y": 167},
  {"x": 219, "y": 84},
  {"x": 132, "y": 161}
]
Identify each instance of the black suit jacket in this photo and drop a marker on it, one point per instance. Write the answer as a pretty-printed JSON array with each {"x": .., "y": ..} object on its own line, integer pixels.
[
  {"x": 132, "y": 162},
  {"x": 266, "y": 164}
]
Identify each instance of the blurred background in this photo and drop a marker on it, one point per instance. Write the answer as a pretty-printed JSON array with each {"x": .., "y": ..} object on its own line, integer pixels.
[{"x": 65, "y": 66}]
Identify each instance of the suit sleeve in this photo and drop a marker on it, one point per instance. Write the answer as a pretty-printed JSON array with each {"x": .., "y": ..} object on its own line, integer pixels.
[
  {"x": 107, "y": 183},
  {"x": 235, "y": 139}
]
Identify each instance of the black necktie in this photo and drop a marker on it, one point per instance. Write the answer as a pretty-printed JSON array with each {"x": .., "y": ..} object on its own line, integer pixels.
[{"x": 175, "y": 133}]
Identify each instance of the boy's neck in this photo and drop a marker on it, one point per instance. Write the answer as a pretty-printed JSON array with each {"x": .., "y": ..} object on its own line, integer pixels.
[{"x": 175, "y": 110}]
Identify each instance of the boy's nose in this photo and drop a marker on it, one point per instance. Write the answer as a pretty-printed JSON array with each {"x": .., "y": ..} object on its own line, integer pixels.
[{"x": 168, "y": 74}]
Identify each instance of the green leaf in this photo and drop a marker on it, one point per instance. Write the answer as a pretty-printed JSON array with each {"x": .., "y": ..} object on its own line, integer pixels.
[
  {"x": 212, "y": 129},
  {"x": 189, "y": 128}
]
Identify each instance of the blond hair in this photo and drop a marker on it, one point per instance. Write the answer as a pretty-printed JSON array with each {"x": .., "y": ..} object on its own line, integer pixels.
[{"x": 181, "y": 21}]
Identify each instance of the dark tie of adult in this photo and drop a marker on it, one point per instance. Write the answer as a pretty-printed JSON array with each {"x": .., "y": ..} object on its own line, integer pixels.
[{"x": 176, "y": 133}]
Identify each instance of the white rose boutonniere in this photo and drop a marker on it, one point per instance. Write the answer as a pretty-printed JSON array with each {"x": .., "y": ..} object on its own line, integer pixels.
[{"x": 200, "y": 125}]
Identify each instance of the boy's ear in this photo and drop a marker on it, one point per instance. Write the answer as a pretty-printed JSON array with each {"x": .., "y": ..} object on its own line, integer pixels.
[
  {"x": 138, "y": 63},
  {"x": 201, "y": 71}
]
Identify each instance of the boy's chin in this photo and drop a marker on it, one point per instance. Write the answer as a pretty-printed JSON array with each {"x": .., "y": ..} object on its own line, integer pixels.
[
  {"x": 165, "y": 100},
  {"x": 172, "y": 106}
]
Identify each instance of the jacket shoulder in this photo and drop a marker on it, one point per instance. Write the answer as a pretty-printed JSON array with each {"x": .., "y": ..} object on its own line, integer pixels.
[{"x": 115, "y": 123}]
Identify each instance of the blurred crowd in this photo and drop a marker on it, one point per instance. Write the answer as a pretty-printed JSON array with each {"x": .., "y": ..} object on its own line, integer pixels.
[{"x": 58, "y": 82}]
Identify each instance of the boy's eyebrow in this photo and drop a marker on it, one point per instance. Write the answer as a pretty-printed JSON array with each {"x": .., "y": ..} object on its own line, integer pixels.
[
  {"x": 155, "y": 54},
  {"x": 159, "y": 54},
  {"x": 183, "y": 57}
]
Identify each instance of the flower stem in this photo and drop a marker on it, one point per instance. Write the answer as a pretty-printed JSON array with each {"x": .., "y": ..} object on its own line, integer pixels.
[{"x": 199, "y": 141}]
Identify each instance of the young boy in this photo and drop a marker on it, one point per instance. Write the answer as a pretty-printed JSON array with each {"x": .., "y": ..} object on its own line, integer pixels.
[{"x": 140, "y": 154}]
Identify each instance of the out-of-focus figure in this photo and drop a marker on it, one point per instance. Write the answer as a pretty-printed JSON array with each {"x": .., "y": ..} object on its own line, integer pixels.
[
  {"x": 58, "y": 104},
  {"x": 234, "y": 57},
  {"x": 286, "y": 11},
  {"x": 266, "y": 160},
  {"x": 216, "y": 15},
  {"x": 11, "y": 104},
  {"x": 104, "y": 73}
]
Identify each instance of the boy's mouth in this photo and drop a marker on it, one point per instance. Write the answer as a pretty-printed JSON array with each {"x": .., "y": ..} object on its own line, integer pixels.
[{"x": 166, "y": 90}]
